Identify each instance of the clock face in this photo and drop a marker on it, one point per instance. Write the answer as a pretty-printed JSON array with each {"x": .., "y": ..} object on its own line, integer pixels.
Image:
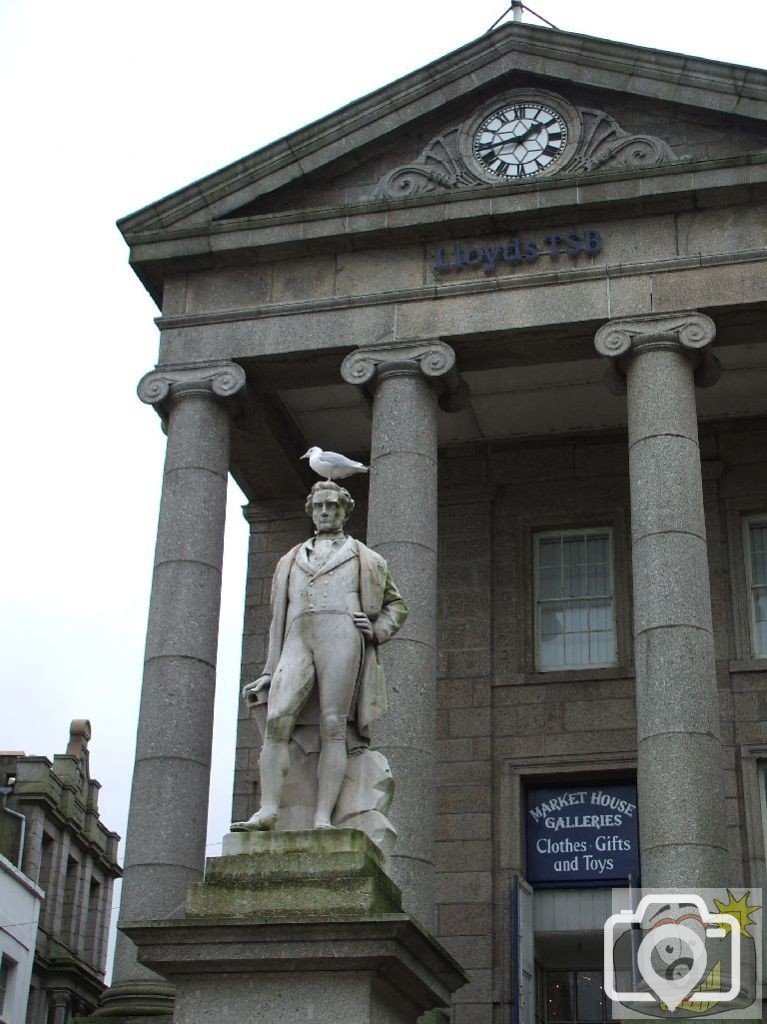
[{"x": 520, "y": 141}]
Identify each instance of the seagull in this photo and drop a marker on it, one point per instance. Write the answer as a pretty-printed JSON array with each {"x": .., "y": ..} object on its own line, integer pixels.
[{"x": 331, "y": 465}]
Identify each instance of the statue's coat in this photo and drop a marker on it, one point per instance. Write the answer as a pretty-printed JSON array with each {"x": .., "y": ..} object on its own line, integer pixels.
[{"x": 380, "y": 601}]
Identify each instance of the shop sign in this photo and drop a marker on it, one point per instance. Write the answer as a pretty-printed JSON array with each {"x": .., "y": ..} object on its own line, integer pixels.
[
  {"x": 490, "y": 256},
  {"x": 582, "y": 835}
]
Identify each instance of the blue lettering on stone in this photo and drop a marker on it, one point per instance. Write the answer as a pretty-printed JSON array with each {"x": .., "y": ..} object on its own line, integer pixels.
[
  {"x": 440, "y": 263},
  {"x": 517, "y": 250}
]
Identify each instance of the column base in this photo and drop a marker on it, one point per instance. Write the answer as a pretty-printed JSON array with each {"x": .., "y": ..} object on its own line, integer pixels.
[
  {"x": 137, "y": 1002},
  {"x": 298, "y": 926}
]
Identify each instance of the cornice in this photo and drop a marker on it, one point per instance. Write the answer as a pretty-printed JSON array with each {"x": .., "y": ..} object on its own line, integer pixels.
[{"x": 511, "y": 198}]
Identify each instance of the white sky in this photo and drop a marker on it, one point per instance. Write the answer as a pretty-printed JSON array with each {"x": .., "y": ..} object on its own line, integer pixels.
[{"x": 108, "y": 106}]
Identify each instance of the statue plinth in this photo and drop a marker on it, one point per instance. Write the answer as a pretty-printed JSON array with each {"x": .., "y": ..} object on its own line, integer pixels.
[
  {"x": 288, "y": 921},
  {"x": 314, "y": 873}
]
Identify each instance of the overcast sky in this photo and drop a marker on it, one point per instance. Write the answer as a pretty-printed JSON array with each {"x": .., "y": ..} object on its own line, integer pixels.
[{"x": 107, "y": 107}]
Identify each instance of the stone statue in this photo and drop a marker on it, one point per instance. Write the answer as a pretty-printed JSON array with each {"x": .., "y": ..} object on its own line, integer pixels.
[{"x": 333, "y": 603}]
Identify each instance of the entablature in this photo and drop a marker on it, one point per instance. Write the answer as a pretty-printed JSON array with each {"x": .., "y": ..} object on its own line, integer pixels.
[{"x": 614, "y": 194}]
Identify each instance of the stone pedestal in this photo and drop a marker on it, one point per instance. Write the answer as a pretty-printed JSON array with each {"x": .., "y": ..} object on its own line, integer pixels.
[{"x": 291, "y": 927}]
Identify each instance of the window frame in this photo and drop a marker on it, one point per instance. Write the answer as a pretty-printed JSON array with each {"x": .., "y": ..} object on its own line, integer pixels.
[
  {"x": 748, "y": 522},
  {"x": 538, "y": 535},
  {"x": 7, "y": 964},
  {"x": 753, "y": 771}
]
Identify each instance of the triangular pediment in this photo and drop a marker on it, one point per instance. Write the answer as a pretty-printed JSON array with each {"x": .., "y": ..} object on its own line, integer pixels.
[
  {"x": 592, "y": 131},
  {"x": 686, "y": 107}
]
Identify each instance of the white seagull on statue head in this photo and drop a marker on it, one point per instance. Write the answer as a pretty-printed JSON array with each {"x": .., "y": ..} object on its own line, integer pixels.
[{"x": 331, "y": 465}]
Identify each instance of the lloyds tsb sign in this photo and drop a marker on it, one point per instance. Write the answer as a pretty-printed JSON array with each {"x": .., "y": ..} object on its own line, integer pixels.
[
  {"x": 582, "y": 835},
  {"x": 489, "y": 257}
]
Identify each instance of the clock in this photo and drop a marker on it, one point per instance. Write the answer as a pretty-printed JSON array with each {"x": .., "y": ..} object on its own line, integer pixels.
[
  {"x": 520, "y": 141},
  {"x": 525, "y": 135}
]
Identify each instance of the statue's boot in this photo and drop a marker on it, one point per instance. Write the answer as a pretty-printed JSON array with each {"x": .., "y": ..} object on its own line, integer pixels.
[
  {"x": 323, "y": 823},
  {"x": 261, "y": 821}
]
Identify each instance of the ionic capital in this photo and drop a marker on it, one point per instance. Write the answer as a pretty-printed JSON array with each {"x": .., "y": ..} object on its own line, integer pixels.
[
  {"x": 174, "y": 382},
  {"x": 434, "y": 359},
  {"x": 688, "y": 331}
]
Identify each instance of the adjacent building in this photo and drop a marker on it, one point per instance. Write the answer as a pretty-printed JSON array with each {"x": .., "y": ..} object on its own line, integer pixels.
[
  {"x": 62, "y": 862},
  {"x": 20, "y": 901},
  {"x": 527, "y": 284}
]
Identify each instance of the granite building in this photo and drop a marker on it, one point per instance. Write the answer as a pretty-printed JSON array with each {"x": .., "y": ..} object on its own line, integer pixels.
[
  {"x": 527, "y": 284},
  {"x": 66, "y": 858}
]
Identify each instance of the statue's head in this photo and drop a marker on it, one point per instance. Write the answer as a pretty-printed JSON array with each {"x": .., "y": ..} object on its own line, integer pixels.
[{"x": 329, "y": 506}]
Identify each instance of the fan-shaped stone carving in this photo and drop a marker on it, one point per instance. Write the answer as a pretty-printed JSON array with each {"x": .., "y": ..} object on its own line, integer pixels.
[{"x": 603, "y": 144}]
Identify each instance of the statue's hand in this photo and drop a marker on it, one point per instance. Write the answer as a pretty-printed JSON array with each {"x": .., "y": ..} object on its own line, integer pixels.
[
  {"x": 363, "y": 624},
  {"x": 251, "y": 690}
]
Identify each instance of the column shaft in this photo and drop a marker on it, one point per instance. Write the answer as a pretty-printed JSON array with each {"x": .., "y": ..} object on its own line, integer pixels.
[
  {"x": 165, "y": 847},
  {"x": 402, "y": 526},
  {"x": 681, "y": 799}
]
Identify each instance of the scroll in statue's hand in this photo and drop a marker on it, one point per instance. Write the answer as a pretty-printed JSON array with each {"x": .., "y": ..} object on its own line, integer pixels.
[
  {"x": 251, "y": 691},
  {"x": 363, "y": 624}
]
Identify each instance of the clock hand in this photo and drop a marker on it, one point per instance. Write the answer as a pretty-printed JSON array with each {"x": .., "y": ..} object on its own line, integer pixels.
[
  {"x": 514, "y": 140},
  {"x": 534, "y": 129}
]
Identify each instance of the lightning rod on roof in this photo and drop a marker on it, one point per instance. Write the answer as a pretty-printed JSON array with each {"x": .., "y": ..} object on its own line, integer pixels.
[{"x": 516, "y": 7}]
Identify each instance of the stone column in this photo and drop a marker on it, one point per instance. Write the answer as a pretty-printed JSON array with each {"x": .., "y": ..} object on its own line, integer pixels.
[
  {"x": 406, "y": 381},
  {"x": 681, "y": 799},
  {"x": 165, "y": 846},
  {"x": 59, "y": 1001}
]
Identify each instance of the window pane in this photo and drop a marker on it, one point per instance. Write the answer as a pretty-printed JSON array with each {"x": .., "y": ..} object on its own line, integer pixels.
[
  {"x": 550, "y": 581},
  {"x": 576, "y": 617},
  {"x": 598, "y": 547},
  {"x": 576, "y": 649},
  {"x": 600, "y": 615},
  {"x": 599, "y": 579},
  {"x": 550, "y": 551},
  {"x": 552, "y": 619},
  {"x": 552, "y": 651},
  {"x": 589, "y": 996},
  {"x": 601, "y": 648},
  {"x": 560, "y": 997},
  {"x": 760, "y": 604},
  {"x": 758, "y": 537},
  {"x": 599, "y": 565},
  {"x": 759, "y": 566},
  {"x": 761, "y": 639},
  {"x": 574, "y": 554}
]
